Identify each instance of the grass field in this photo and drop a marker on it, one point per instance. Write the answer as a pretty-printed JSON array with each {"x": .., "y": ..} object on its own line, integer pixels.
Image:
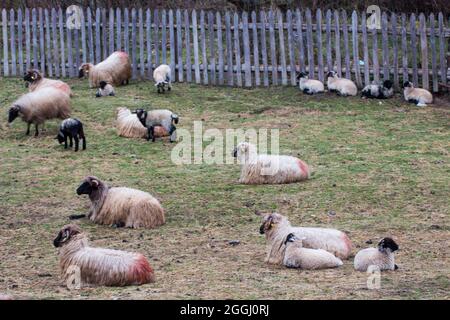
[{"x": 380, "y": 170}]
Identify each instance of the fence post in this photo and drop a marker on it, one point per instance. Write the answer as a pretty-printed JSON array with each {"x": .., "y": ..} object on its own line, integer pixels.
[
  {"x": 300, "y": 41},
  {"x": 310, "y": 44},
  {"x": 273, "y": 55},
  {"x": 187, "y": 31},
  {"x": 338, "y": 44},
  {"x": 264, "y": 49},
  {"x": 220, "y": 47},
  {"x": 348, "y": 74},
  {"x": 237, "y": 50},
  {"x": 246, "y": 44},
  {"x": 148, "y": 22},
  {"x": 212, "y": 53},
  {"x": 229, "y": 49},
  {"x": 384, "y": 42},
  {"x": 118, "y": 29},
  {"x": 13, "y": 42},
  {"x": 291, "y": 48},
  {"x": 319, "y": 45},
  {"x": 141, "y": 44},
  {"x": 133, "y": 43},
  {"x": 442, "y": 59},
  {"x": 98, "y": 48},
  {"x": 172, "y": 45},
  {"x": 62, "y": 44},
  {"x": 179, "y": 46},
  {"x": 365, "y": 49},
  {"x": 203, "y": 44},
  {"x": 48, "y": 44},
  {"x": 395, "y": 50},
  {"x": 282, "y": 49},
  {"x": 90, "y": 36},
  {"x": 424, "y": 51},
  {"x": 415, "y": 73},
  {"x": 404, "y": 50},
  {"x": 328, "y": 41},
  {"x": 111, "y": 30},
  {"x": 356, "y": 48},
  {"x": 20, "y": 40},
  {"x": 195, "y": 39}
]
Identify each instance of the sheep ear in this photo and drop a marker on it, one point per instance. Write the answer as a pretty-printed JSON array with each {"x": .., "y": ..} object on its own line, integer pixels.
[{"x": 94, "y": 183}]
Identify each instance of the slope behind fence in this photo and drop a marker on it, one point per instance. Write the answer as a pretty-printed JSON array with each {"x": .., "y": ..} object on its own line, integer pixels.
[{"x": 235, "y": 49}]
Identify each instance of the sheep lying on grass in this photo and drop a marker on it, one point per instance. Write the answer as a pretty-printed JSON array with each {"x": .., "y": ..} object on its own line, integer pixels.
[
  {"x": 98, "y": 266},
  {"x": 36, "y": 81},
  {"x": 296, "y": 256},
  {"x": 129, "y": 126},
  {"x": 160, "y": 117},
  {"x": 105, "y": 90},
  {"x": 268, "y": 169},
  {"x": 73, "y": 129},
  {"x": 121, "y": 207},
  {"x": 377, "y": 91},
  {"x": 38, "y": 106},
  {"x": 309, "y": 86},
  {"x": 116, "y": 70},
  {"x": 343, "y": 87},
  {"x": 420, "y": 97},
  {"x": 276, "y": 228},
  {"x": 381, "y": 257},
  {"x": 161, "y": 75}
]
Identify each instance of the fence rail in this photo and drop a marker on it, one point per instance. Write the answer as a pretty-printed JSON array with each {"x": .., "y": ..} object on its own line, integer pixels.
[{"x": 235, "y": 49}]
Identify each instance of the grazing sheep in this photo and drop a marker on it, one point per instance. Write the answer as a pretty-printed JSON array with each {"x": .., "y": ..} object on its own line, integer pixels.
[
  {"x": 377, "y": 91},
  {"x": 35, "y": 81},
  {"x": 296, "y": 256},
  {"x": 309, "y": 86},
  {"x": 105, "y": 90},
  {"x": 129, "y": 126},
  {"x": 268, "y": 169},
  {"x": 116, "y": 70},
  {"x": 161, "y": 75},
  {"x": 73, "y": 129},
  {"x": 98, "y": 266},
  {"x": 419, "y": 96},
  {"x": 121, "y": 207},
  {"x": 160, "y": 117},
  {"x": 277, "y": 227},
  {"x": 343, "y": 87},
  {"x": 38, "y": 106},
  {"x": 381, "y": 257}
]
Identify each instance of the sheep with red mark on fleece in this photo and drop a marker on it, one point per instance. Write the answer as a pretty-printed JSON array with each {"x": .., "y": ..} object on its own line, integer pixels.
[{"x": 35, "y": 81}]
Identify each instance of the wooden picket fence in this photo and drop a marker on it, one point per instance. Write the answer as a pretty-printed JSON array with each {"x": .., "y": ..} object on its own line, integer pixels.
[{"x": 234, "y": 49}]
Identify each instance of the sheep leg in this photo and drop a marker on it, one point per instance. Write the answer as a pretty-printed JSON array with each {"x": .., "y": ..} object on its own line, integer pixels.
[
  {"x": 65, "y": 141},
  {"x": 173, "y": 133},
  {"x": 36, "y": 130},
  {"x": 71, "y": 141},
  {"x": 28, "y": 129},
  {"x": 151, "y": 133},
  {"x": 77, "y": 142},
  {"x": 169, "y": 87},
  {"x": 82, "y": 136}
]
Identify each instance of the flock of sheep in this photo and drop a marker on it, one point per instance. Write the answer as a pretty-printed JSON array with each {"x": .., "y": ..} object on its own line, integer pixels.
[{"x": 293, "y": 247}]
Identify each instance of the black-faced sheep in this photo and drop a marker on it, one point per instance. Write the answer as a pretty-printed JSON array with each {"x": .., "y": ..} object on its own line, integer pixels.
[
  {"x": 129, "y": 126},
  {"x": 121, "y": 207},
  {"x": 73, "y": 129},
  {"x": 161, "y": 75},
  {"x": 343, "y": 87},
  {"x": 381, "y": 257},
  {"x": 105, "y": 90},
  {"x": 38, "y": 106},
  {"x": 309, "y": 86},
  {"x": 268, "y": 169},
  {"x": 98, "y": 266},
  {"x": 35, "y": 81},
  {"x": 160, "y": 117},
  {"x": 116, "y": 70},
  {"x": 377, "y": 91},
  {"x": 420, "y": 97},
  {"x": 276, "y": 228},
  {"x": 296, "y": 256}
]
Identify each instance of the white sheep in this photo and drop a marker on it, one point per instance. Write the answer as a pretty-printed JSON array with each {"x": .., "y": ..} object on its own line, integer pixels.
[
  {"x": 121, "y": 207},
  {"x": 161, "y": 75},
  {"x": 36, "y": 81},
  {"x": 342, "y": 86},
  {"x": 158, "y": 118},
  {"x": 115, "y": 70},
  {"x": 105, "y": 90},
  {"x": 277, "y": 227},
  {"x": 98, "y": 266},
  {"x": 377, "y": 91},
  {"x": 268, "y": 169},
  {"x": 382, "y": 257},
  {"x": 421, "y": 97},
  {"x": 296, "y": 256},
  {"x": 309, "y": 86},
  {"x": 129, "y": 126}
]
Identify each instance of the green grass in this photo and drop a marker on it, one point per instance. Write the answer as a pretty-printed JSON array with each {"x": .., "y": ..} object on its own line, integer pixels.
[{"x": 382, "y": 168}]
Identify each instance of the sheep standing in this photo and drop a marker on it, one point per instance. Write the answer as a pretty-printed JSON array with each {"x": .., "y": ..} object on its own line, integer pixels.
[
  {"x": 121, "y": 207},
  {"x": 296, "y": 256},
  {"x": 421, "y": 97},
  {"x": 277, "y": 227},
  {"x": 343, "y": 87},
  {"x": 377, "y": 91},
  {"x": 309, "y": 86},
  {"x": 98, "y": 266},
  {"x": 115, "y": 70},
  {"x": 129, "y": 126},
  {"x": 38, "y": 106},
  {"x": 160, "y": 117},
  {"x": 73, "y": 129},
  {"x": 105, "y": 90},
  {"x": 268, "y": 169},
  {"x": 36, "y": 81},
  {"x": 381, "y": 257},
  {"x": 161, "y": 75}
]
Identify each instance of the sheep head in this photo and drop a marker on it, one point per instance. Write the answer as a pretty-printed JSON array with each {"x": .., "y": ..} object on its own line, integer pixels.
[
  {"x": 245, "y": 149},
  {"x": 84, "y": 70},
  {"x": 302, "y": 75},
  {"x": 142, "y": 115},
  {"x": 332, "y": 74},
  {"x": 89, "y": 185},
  {"x": 270, "y": 221},
  {"x": 13, "y": 113},
  {"x": 65, "y": 234},
  {"x": 387, "y": 244},
  {"x": 387, "y": 84},
  {"x": 103, "y": 84},
  {"x": 408, "y": 84},
  {"x": 32, "y": 76},
  {"x": 60, "y": 137}
]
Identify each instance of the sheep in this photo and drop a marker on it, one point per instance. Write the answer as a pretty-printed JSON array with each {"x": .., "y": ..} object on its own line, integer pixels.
[
  {"x": 382, "y": 257},
  {"x": 121, "y": 207},
  {"x": 161, "y": 75},
  {"x": 419, "y": 96},
  {"x": 38, "y": 106},
  {"x": 35, "y": 81},
  {"x": 98, "y": 266},
  {"x": 71, "y": 128},
  {"x": 309, "y": 86},
  {"x": 160, "y": 117},
  {"x": 276, "y": 227},
  {"x": 105, "y": 90},
  {"x": 343, "y": 87},
  {"x": 129, "y": 126},
  {"x": 296, "y": 256},
  {"x": 115, "y": 70},
  {"x": 268, "y": 169},
  {"x": 376, "y": 91}
]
